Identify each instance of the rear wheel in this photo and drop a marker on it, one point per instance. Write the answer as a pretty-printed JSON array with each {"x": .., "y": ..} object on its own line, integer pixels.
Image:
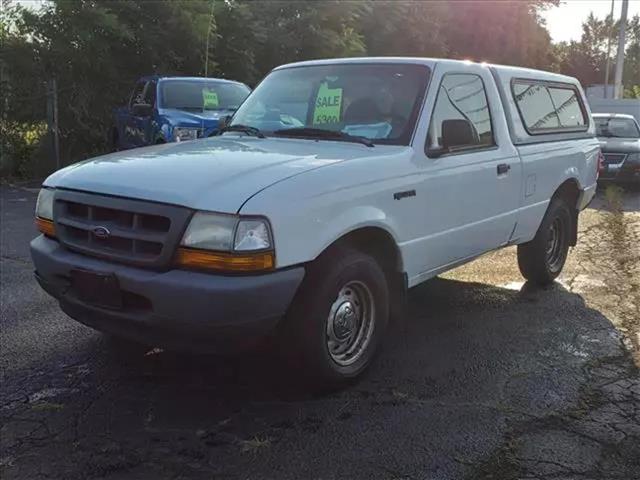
[
  {"x": 541, "y": 260},
  {"x": 338, "y": 317}
]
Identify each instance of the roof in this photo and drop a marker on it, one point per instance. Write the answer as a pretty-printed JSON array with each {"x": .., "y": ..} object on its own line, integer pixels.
[
  {"x": 430, "y": 62},
  {"x": 339, "y": 61},
  {"x": 612, "y": 115},
  {"x": 147, "y": 78}
]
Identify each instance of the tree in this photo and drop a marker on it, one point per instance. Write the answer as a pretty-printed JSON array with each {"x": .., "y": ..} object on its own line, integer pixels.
[
  {"x": 254, "y": 37},
  {"x": 22, "y": 103},
  {"x": 404, "y": 28},
  {"x": 587, "y": 60},
  {"x": 96, "y": 50},
  {"x": 631, "y": 76},
  {"x": 509, "y": 32}
]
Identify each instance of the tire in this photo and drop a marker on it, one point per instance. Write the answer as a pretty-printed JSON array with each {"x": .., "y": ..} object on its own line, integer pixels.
[
  {"x": 541, "y": 260},
  {"x": 341, "y": 307}
]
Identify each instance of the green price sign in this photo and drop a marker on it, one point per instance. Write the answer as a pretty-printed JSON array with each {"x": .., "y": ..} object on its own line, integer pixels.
[
  {"x": 328, "y": 105},
  {"x": 209, "y": 98}
]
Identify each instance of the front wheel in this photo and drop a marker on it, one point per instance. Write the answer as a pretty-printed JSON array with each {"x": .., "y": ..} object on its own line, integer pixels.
[
  {"x": 541, "y": 260},
  {"x": 338, "y": 317}
]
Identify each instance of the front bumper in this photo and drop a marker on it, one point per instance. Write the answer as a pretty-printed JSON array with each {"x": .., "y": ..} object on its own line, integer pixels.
[
  {"x": 176, "y": 309},
  {"x": 626, "y": 172}
]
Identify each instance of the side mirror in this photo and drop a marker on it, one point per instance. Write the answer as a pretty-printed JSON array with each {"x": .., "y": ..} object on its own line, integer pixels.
[
  {"x": 142, "y": 110},
  {"x": 224, "y": 121},
  {"x": 458, "y": 133}
]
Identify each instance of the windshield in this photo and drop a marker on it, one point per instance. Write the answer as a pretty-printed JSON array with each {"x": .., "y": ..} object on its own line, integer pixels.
[
  {"x": 378, "y": 102},
  {"x": 617, "y": 127},
  {"x": 198, "y": 96}
]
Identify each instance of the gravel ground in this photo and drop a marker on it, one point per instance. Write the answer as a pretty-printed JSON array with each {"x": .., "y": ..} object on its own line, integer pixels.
[{"x": 486, "y": 378}]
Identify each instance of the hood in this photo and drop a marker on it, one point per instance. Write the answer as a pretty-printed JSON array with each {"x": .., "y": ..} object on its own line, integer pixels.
[
  {"x": 218, "y": 173},
  {"x": 619, "y": 145},
  {"x": 183, "y": 118}
]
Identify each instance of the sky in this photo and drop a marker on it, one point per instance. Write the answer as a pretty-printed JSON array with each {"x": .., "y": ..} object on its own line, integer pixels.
[{"x": 565, "y": 22}]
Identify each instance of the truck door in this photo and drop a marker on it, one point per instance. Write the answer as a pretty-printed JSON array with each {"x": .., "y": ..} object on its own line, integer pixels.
[
  {"x": 143, "y": 120},
  {"x": 471, "y": 170},
  {"x": 133, "y": 129}
]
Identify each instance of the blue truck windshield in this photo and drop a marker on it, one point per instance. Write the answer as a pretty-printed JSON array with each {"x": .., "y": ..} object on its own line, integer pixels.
[
  {"x": 379, "y": 102},
  {"x": 198, "y": 96}
]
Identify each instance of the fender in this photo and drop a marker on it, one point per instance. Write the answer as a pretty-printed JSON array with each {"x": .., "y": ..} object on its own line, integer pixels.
[
  {"x": 301, "y": 237},
  {"x": 164, "y": 133},
  {"x": 352, "y": 220},
  {"x": 569, "y": 165}
]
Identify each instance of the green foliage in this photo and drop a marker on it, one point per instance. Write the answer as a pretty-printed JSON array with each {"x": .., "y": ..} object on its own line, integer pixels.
[
  {"x": 587, "y": 58},
  {"x": 254, "y": 37},
  {"x": 404, "y": 28},
  {"x": 96, "y": 50},
  {"x": 20, "y": 144},
  {"x": 502, "y": 32},
  {"x": 632, "y": 92}
]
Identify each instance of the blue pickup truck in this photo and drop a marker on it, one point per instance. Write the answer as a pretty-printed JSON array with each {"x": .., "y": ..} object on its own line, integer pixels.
[{"x": 168, "y": 109}]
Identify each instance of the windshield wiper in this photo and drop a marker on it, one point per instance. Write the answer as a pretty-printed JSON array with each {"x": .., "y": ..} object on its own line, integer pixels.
[
  {"x": 187, "y": 108},
  {"x": 311, "y": 132},
  {"x": 251, "y": 131},
  {"x": 219, "y": 109}
]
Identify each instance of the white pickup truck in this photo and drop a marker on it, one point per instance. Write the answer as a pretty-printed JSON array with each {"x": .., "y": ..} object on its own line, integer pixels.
[{"x": 335, "y": 187}]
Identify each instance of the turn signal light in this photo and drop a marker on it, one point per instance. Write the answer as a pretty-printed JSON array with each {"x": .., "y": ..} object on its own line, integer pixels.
[
  {"x": 46, "y": 226},
  {"x": 230, "y": 262}
]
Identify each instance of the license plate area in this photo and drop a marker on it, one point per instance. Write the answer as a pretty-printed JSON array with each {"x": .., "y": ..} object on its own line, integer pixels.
[
  {"x": 614, "y": 158},
  {"x": 99, "y": 289}
]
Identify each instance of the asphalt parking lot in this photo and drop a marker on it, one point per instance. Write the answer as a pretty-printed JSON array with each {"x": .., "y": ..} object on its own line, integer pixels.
[{"x": 486, "y": 378}]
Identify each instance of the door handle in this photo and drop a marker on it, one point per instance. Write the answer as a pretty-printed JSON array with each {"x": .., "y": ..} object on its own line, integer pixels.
[{"x": 503, "y": 168}]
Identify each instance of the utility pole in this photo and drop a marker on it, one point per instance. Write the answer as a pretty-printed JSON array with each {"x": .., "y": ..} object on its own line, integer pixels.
[
  {"x": 620, "y": 60},
  {"x": 609, "y": 33},
  {"x": 206, "y": 55}
]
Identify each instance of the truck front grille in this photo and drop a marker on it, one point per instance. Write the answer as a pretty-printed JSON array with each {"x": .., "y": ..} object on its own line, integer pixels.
[
  {"x": 614, "y": 158},
  {"x": 120, "y": 229}
]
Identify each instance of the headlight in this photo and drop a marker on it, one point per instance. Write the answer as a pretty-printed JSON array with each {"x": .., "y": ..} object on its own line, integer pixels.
[
  {"x": 226, "y": 242},
  {"x": 44, "y": 205},
  {"x": 633, "y": 158},
  {"x": 44, "y": 212},
  {"x": 181, "y": 134},
  {"x": 210, "y": 231}
]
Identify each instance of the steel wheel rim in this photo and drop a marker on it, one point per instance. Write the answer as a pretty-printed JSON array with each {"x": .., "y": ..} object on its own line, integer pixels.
[
  {"x": 350, "y": 323},
  {"x": 555, "y": 242}
]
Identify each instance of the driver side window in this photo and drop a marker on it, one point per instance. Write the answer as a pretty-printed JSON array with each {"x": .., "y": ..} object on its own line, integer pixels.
[
  {"x": 150, "y": 94},
  {"x": 137, "y": 97},
  {"x": 461, "y": 119}
]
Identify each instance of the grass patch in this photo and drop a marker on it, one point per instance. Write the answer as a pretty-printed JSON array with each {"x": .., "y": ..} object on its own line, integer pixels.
[
  {"x": 47, "y": 407},
  {"x": 399, "y": 395},
  {"x": 613, "y": 194},
  {"x": 255, "y": 444}
]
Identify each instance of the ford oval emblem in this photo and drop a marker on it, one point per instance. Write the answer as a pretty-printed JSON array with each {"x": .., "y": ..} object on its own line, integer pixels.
[{"x": 101, "y": 232}]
